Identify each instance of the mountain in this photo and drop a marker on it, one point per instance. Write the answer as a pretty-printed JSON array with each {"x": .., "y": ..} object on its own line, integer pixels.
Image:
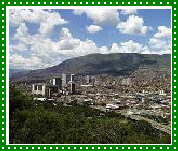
[
  {"x": 16, "y": 71},
  {"x": 112, "y": 64}
]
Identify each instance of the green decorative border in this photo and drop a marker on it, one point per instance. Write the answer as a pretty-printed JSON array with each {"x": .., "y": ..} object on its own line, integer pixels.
[{"x": 83, "y": 3}]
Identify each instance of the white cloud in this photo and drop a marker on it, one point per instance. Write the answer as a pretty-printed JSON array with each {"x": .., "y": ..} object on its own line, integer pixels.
[
  {"x": 93, "y": 29},
  {"x": 67, "y": 42},
  {"x": 46, "y": 19},
  {"x": 21, "y": 32},
  {"x": 126, "y": 47},
  {"x": 115, "y": 48},
  {"x": 134, "y": 25},
  {"x": 20, "y": 47},
  {"x": 146, "y": 50},
  {"x": 163, "y": 32},
  {"x": 104, "y": 50},
  {"x": 100, "y": 16},
  {"x": 46, "y": 28},
  {"x": 160, "y": 45},
  {"x": 131, "y": 47},
  {"x": 128, "y": 11},
  {"x": 65, "y": 34},
  {"x": 45, "y": 53},
  {"x": 161, "y": 41},
  {"x": 24, "y": 37},
  {"x": 18, "y": 16},
  {"x": 78, "y": 11},
  {"x": 18, "y": 61},
  {"x": 48, "y": 53}
]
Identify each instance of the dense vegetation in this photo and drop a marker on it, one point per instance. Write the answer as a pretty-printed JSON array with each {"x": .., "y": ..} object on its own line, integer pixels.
[{"x": 49, "y": 124}]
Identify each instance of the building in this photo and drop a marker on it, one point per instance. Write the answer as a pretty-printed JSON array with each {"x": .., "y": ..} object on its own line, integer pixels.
[
  {"x": 57, "y": 82},
  {"x": 88, "y": 78},
  {"x": 38, "y": 89},
  {"x": 71, "y": 85},
  {"x": 64, "y": 79},
  {"x": 73, "y": 88},
  {"x": 53, "y": 90}
]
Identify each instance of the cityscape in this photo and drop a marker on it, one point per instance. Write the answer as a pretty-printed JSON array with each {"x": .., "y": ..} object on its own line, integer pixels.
[
  {"x": 127, "y": 95},
  {"x": 88, "y": 76}
]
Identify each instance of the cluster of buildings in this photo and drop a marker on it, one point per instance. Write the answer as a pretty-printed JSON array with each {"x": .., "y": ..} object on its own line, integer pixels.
[
  {"x": 144, "y": 94},
  {"x": 114, "y": 93},
  {"x": 54, "y": 87}
]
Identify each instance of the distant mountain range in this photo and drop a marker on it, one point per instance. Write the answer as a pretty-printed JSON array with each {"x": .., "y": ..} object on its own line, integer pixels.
[
  {"x": 113, "y": 64},
  {"x": 14, "y": 71}
]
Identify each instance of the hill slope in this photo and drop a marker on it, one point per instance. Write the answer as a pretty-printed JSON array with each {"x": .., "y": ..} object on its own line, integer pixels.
[{"x": 113, "y": 64}]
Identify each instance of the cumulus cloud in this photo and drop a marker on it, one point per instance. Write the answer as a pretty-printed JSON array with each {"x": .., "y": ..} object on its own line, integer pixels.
[
  {"x": 21, "y": 32},
  {"x": 18, "y": 61},
  {"x": 46, "y": 19},
  {"x": 127, "y": 47},
  {"x": 45, "y": 53},
  {"x": 163, "y": 32},
  {"x": 145, "y": 50},
  {"x": 115, "y": 48},
  {"x": 128, "y": 11},
  {"x": 48, "y": 53},
  {"x": 65, "y": 34},
  {"x": 100, "y": 16},
  {"x": 161, "y": 41},
  {"x": 20, "y": 47},
  {"x": 93, "y": 29},
  {"x": 132, "y": 47},
  {"x": 134, "y": 25},
  {"x": 104, "y": 50}
]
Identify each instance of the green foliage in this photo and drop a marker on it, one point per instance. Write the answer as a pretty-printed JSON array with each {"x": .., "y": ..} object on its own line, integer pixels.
[
  {"x": 48, "y": 124},
  {"x": 17, "y": 101}
]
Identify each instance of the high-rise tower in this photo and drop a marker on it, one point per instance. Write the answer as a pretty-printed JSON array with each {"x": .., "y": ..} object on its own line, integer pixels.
[
  {"x": 72, "y": 85},
  {"x": 63, "y": 79}
]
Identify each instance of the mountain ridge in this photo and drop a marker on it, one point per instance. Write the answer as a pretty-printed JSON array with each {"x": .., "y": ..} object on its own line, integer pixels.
[{"x": 112, "y": 64}]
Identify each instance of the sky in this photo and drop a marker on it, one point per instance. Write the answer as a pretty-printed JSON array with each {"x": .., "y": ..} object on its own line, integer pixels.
[{"x": 41, "y": 38}]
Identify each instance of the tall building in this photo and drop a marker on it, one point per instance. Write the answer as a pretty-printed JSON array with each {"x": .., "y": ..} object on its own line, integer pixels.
[
  {"x": 73, "y": 88},
  {"x": 57, "y": 81},
  {"x": 72, "y": 84},
  {"x": 63, "y": 79},
  {"x": 72, "y": 78},
  {"x": 88, "y": 78}
]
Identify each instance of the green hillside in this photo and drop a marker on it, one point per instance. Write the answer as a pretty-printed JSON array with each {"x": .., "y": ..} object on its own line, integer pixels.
[{"x": 112, "y": 64}]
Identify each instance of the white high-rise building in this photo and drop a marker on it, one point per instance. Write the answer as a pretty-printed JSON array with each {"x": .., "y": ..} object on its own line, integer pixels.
[
  {"x": 72, "y": 84},
  {"x": 63, "y": 79},
  {"x": 88, "y": 78}
]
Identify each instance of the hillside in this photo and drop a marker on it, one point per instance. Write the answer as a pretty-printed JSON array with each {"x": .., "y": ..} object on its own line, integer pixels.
[
  {"x": 112, "y": 64},
  {"x": 14, "y": 71}
]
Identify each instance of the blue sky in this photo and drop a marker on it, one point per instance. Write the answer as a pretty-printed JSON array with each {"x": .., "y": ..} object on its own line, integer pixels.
[{"x": 43, "y": 38}]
